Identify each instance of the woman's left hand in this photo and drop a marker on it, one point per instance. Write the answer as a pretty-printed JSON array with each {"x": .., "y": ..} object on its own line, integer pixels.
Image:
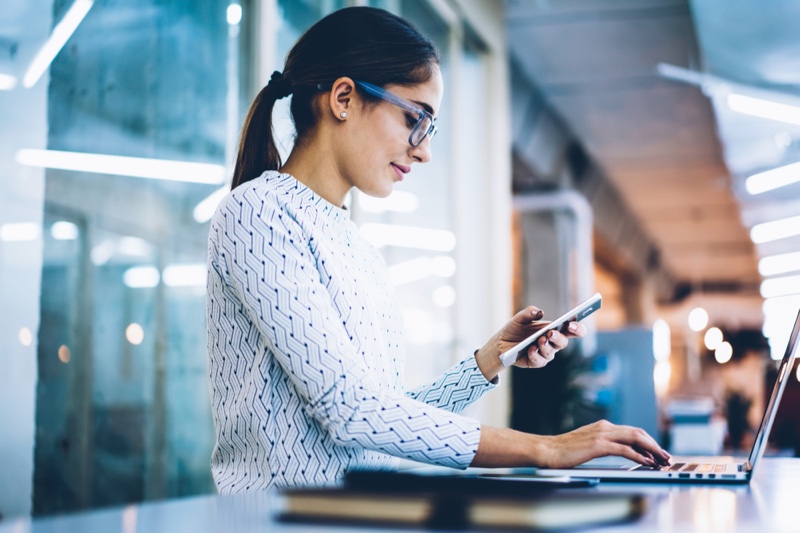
[{"x": 521, "y": 326}]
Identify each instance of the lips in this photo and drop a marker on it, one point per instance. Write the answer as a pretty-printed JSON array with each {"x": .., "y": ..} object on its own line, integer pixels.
[{"x": 400, "y": 170}]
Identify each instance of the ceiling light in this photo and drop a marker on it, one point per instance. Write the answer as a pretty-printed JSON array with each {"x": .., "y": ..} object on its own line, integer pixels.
[
  {"x": 141, "y": 277},
  {"x": 25, "y": 337},
  {"x": 381, "y": 235},
  {"x": 64, "y": 231},
  {"x": 662, "y": 372},
  {"x": 58, "y": 38},
  {"x": 134, "y": 334},
  {"x": 7, "y": 82},
  {"x": 20, "y": 231},
  {"x": 662, "y": 340},
  {"x": 777, "y": 229},
  {"x": 723, "y": 353},
  {"x": 779, "y": 264},
  {"x": 410, "y": 271},
  {"x": 773, "y": 179},
  {"x": 713, "y": 338},
  {"x": 234, "y": 14},
  {"x": 191, "y": 275},
  {"x": 698, "y": 319},
  {"x": 206, "y": 209},
  {"x": 759, "y": 107},
  {"x": 136, "y": 167},
  {"x": 785, "y": 286}
]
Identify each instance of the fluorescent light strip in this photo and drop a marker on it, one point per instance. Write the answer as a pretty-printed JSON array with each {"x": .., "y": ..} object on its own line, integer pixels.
[
  {"x": 777, "y": 229},
  {"x": 141, "y": 277},
  {"x": 205, "y": 209},
  {"x": 785, "y": 286},
  {"x": 136, "y": 167},
  {"x": 7, "y": 82},
  {"x": 64, "y": 231},
  {"x": 20, "y": 231},
  {"x": 399, "y": 201},
  {"x": 382, "y": 235},
  {"x": 779, "y": 264},
  {"x": 190, "y": 275},
  {"x": 773, "y": 179},
  {"x": 758, "y": 107},
  {"x": 61, "y": 34}
]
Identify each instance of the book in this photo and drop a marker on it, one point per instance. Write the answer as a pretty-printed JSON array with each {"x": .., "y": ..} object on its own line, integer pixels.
[{"x": 479, "y": 505}]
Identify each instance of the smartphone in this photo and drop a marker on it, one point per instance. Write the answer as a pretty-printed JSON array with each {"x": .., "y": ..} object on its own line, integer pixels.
[{"x": 576, "y": 314}]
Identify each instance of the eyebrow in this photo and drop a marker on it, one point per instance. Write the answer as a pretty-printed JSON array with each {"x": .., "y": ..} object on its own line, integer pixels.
[{"x": 424, "y": 106}]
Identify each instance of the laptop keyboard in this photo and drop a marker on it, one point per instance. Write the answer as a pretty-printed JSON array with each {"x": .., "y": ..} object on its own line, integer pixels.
[{"x": 687, "y": 467}]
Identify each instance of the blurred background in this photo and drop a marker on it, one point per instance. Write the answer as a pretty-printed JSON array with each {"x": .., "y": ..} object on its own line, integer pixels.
[{"x": 648, "y": 150}]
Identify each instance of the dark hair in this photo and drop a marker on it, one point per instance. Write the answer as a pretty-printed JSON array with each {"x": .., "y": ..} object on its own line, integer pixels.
[{"x": 363, "y": 43}]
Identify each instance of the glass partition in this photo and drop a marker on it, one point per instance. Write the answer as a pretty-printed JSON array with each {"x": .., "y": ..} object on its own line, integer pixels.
[{"x": 136, "y": 123}]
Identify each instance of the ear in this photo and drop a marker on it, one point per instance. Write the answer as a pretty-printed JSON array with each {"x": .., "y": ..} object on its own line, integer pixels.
[{"x": 342, "y": 97}]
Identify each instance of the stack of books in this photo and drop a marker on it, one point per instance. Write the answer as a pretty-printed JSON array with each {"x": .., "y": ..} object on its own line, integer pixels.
[{"x": 457, "y": 502}]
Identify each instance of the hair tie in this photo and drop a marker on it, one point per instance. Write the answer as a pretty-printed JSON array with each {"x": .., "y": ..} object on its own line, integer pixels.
[{"x": 280, "y": 86}]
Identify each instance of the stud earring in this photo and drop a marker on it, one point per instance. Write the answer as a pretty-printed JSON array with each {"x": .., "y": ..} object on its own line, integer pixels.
[{"x": 343, "y": 114}]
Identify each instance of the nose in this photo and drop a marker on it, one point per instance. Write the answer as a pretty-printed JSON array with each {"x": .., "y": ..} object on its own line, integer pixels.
[{"x": 422, "y": 152}]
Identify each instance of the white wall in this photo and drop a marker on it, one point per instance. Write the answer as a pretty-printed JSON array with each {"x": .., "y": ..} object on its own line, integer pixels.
[{"x": 21, "y": 200}]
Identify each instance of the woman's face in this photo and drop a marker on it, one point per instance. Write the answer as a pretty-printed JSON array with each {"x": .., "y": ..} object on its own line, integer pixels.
[{"x": 378, "y": 153}]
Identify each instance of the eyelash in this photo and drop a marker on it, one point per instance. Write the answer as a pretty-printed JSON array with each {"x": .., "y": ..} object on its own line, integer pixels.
[{"x": 411, "y": 120}]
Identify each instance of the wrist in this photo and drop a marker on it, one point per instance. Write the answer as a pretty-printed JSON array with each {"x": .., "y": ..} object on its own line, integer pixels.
[
  {"x": 488, "y": 361},
  {"x": 539, "y": 449}
]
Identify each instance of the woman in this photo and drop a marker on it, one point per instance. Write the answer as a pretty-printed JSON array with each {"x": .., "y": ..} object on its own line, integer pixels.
[{"x": 304, "y": 331}]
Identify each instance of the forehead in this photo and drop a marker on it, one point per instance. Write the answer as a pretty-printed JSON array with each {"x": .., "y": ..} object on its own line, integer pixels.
[{"x": 427, "y": 95}]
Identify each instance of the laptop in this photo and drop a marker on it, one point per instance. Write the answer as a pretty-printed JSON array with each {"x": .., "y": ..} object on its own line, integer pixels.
[{"x": 710, "y": 470}]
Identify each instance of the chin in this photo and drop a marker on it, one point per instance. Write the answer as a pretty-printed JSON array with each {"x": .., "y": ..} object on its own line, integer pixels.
[{"x": 379, "y": 190}]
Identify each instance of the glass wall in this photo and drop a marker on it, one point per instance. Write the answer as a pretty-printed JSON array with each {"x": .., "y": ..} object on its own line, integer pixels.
[
  {"x": 139, "y": 104},
  {"x": 112, "y": 163}
]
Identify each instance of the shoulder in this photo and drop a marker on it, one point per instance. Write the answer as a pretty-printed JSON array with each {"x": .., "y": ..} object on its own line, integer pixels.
[{"x": 271, "y": 195}]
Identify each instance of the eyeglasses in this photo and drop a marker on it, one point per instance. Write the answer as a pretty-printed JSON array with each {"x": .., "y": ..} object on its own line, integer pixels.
[{"x": 422, "y": 125}]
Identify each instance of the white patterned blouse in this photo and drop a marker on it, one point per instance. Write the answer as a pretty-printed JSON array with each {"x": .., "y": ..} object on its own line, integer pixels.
[{"x": 306, "y": 350}]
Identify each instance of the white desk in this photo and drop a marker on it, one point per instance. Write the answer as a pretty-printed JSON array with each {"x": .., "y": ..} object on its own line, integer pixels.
[{"x": 771, "y": 503}]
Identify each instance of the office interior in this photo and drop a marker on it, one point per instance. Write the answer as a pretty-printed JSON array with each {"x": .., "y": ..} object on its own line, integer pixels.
[{"x": 644, "y": 150}]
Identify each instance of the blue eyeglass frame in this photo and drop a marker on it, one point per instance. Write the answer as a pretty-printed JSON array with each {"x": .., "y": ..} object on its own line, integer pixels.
[{"x": 387, "y": 96}]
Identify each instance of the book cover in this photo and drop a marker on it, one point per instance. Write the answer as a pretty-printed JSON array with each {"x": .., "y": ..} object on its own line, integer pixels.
[{"x": 453, "y": 503}]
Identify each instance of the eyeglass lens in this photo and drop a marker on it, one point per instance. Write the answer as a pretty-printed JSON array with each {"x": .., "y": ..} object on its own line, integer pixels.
[{"x": 421, "y": 129}]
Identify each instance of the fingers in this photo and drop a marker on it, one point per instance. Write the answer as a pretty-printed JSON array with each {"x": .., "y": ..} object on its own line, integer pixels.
[
  {"x": 630, "y": 453},
  {"x": 575, "y": 329},
  {"x": 545, "y": 349},
  {"x": 639, "y": 438}
]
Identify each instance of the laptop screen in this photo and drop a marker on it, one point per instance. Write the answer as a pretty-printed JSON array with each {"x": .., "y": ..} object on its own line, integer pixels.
[{"x": 784, "y": 372}]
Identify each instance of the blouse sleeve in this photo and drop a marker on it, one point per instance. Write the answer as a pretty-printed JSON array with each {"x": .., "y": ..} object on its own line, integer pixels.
[
  {"x": 265, "y": 258},
  {"x": 456, "y": 389}
]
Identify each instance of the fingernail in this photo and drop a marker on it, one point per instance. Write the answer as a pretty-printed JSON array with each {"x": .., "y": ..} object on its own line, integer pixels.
[{"x": 573, "y": 327}]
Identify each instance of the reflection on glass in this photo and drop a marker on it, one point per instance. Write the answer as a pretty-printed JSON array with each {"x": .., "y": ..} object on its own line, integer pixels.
[{"x": 144, "y": 92}]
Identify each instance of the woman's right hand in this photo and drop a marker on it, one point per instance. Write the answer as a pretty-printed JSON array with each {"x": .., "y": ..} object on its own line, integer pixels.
[{"x": 599, "y": 440}]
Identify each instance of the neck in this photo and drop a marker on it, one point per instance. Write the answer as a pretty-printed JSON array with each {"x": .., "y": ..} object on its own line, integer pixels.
[{"x": 312, "y": 164}]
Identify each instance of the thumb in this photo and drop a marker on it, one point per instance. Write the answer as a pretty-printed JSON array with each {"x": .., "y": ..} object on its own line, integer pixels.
[{"x": 529, "y": 313}]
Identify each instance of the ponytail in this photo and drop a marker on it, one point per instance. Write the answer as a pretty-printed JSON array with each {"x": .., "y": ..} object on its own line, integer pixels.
[
  {"x": 257, "y": 149},
  {"x": 363, "y": 43}
]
